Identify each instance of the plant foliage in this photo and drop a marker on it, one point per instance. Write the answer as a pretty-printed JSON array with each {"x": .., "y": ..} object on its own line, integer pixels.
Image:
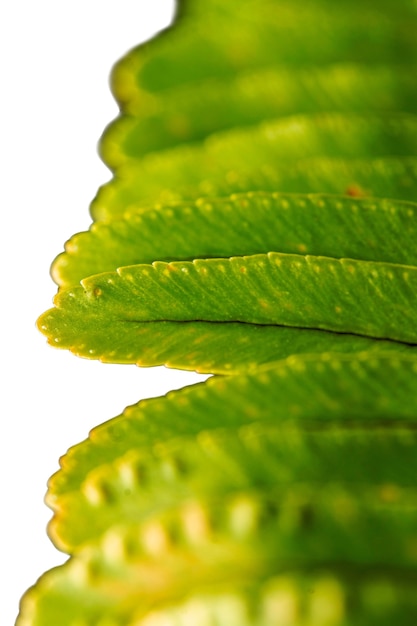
[{"x": 260, "y": 226}]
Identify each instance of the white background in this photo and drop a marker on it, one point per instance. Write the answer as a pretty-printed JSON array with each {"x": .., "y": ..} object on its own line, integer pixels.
[{"x": 55, "y": 102}]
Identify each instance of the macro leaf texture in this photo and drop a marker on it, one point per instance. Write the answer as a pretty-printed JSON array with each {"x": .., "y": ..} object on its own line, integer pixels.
[
  {"x": 252, "y": 223},
  {"x": 260, "y": 226}
]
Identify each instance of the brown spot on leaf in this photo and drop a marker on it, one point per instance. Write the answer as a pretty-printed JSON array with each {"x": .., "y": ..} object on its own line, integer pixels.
[{"x": 355, "y": 191}]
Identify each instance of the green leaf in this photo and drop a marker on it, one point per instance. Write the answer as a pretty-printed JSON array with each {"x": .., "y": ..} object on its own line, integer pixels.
[
  {"x": 342, "y": 295},
  {"x": 374, "y": 230},
  {"x": 276, "y": 143},
  {"x": 253, "y": 458},
  {"x": 335, "y": 596},
  {"x": 301, "y": 389},
  {"x": 259, "y": 34},
  {"x": 235, "y": 545},
  {"x": 186, "y": 114},
  {"x": 284, "y": 494},
  {"x": 205, "y": 347},
  {"x": 388, "y": 177}
]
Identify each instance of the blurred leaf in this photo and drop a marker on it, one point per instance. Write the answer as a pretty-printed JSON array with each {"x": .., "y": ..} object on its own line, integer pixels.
[
  {"x": 273, "y": 143},
  {"x": 187, "y": 114}
]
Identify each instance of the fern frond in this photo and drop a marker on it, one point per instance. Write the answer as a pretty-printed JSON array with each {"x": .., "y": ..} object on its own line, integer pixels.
[
  {"x": 261, "y": 223},
  {"x": 317, "y": 387},
  {"x": 237, "y": 544},
  {"x": 253, "y": 223},
  {"x": 262, "y": 428},
  {"x": 281, "y": 142},
  {"x": 258, "y": 34},
  {"x": 341, "y": 295},
  {"x": 190, "y": 113}
]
